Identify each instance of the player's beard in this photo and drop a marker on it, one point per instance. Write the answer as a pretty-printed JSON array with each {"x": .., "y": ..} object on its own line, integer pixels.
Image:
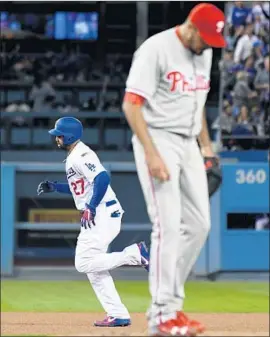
[
  {"x": 196, "y": 53},
  {"x": 192, "y": 42},
  {"x": 62, "y": 147},
  {"x": 193, "y": 51}
]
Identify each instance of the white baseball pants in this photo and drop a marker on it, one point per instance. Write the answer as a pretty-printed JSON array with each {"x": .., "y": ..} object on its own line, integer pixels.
[
  {"x": 91, "y": 257},
  {"x": 180, "y": 214}
]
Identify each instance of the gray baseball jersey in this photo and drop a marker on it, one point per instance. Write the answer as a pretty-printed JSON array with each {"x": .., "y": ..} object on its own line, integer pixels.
[{"x": 173, "y": 80}]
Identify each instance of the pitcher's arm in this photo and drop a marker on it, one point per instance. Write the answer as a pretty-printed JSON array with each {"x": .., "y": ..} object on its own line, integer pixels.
[
  {"x": 204, "y": 139},
  {"x": 132, "y": 108},
  {"x": 134, "y": 116}
]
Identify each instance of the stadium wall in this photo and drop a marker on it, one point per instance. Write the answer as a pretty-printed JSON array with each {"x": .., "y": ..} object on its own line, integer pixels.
[{"x": 232, "y": 245}]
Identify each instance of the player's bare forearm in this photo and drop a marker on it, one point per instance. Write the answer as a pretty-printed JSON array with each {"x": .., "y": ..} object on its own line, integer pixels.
[
  {"x": 204, "y": 139},
  {"x": 136, "y": 121},
  {"x": 134, "y": 115}
]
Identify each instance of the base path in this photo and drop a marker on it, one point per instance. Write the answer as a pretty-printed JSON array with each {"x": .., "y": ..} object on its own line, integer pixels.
[{"x": 81, "y": 324}]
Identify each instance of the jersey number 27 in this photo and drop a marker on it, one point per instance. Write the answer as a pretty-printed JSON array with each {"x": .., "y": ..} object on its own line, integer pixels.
[{"x": 78, "y": 186}]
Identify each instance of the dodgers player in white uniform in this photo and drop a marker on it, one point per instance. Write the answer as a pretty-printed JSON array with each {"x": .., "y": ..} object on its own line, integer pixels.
[
  {"x": 89, "y": 184},
  {"x": 166, "y": 91}
]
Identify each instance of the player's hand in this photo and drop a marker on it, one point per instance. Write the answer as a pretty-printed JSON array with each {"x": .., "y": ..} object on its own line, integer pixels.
[
  {"x": 157, "y": 167},
  {"x": 87, "y": 219},
  {"x": 207, "y": 151},
  {"x": 46, "y": 187}
]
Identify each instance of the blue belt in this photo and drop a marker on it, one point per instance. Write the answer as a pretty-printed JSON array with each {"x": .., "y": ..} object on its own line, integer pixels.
[{"x": 110, "y": 203}]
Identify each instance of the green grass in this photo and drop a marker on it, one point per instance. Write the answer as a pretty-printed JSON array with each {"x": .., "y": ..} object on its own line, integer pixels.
[{"x": 77, "y": 296}]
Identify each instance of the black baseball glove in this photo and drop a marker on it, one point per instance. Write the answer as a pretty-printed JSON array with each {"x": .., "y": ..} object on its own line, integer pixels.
[
  {"x": 214, "y": 174},
  {"x": 46, "y": 187}
]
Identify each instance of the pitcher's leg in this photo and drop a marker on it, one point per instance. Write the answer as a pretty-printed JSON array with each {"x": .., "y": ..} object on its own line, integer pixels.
[
  {"x": 163, "y": 200},
  {"x": 104, "y": 288},
  {"x": 195, "y": 217}
]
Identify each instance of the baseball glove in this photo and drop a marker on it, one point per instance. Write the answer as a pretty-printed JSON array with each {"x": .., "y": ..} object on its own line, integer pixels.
[{"x": 214, "y": 174}]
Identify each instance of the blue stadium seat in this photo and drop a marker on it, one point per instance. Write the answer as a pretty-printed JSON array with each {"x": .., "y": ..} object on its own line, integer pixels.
[
  {"x": 91, "y": 136},
  {"x": 114, "y": 137},
  {"x": 61, "y": 94},
  {"x": 41, "y": 137},
  {"x": 2, "y": 96},
  {"x": 129, "y": 136},
  {"x": 3, "y": 136},
  {"x": 85, "y": 95},
  {"x": 111, "y": 94},
  {"x": 20, "y": 136},
  {"x": 15, "y": 95}
]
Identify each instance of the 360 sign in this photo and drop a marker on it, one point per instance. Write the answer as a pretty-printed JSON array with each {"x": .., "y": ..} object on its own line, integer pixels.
[{"x": 251, "y": 176}]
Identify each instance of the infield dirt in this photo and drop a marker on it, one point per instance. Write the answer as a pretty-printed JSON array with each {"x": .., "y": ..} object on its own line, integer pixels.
[{"x": 81, "y": 324}]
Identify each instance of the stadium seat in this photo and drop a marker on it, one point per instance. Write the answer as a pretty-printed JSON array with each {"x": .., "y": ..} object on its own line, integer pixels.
[
  {"x": 84, "y": 96},
  {"x": 111, "y": 94},
  {"x": 20, "y": 136},
  {"x": 15, "y": 95},
  {"x": 129, "y": 136},
  {"x": 91, "y": 136},
  {"x": 60, "y": 95},
  {"x": 2, "y": 96},
  {"x": 3, "y": 136},
  {"x": 114, "y": 138},
  {"x": 41, "y": 137}
]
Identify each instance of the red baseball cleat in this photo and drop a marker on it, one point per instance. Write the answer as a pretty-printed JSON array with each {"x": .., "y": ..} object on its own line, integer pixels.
[
  {"x": 172, "y": 327},
  {"x": 196, "y": 326}
]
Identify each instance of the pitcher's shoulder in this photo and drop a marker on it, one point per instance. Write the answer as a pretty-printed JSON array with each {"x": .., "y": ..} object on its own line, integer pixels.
[
  {"x": 157, "y": 40},
  {"x": 162, "y": 37}
]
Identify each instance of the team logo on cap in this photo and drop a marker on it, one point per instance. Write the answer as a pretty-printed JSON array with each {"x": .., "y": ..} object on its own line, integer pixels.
[{"x": 219, "y": 26}]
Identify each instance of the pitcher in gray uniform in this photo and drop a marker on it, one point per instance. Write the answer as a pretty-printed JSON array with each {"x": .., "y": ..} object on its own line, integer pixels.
[{"x": 166, "y": 91}]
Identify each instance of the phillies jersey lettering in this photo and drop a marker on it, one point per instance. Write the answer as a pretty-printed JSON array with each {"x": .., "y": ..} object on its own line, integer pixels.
[
  {"x": 82, "y": 166},
  {"x": 174, "y": 81},
  {"x": 183, "y": 83}
]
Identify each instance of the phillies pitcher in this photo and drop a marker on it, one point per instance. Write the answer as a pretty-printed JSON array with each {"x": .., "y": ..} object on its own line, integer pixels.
[{"x": 166, "y": 91}]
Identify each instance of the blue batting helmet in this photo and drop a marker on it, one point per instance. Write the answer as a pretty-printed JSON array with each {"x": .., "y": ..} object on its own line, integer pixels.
[{"x": 69, "y": 127}]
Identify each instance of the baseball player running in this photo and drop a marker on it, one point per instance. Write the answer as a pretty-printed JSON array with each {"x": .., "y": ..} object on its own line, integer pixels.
[
  {"x": 166, "y": 91},
  {"x": 89, "y": 184}
]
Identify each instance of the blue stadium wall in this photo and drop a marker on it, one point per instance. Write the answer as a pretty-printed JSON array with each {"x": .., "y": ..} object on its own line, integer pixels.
[{"x": 245, "y": 190}]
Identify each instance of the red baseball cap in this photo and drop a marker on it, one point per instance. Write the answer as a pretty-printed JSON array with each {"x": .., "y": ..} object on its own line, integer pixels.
[{"x": 210, "y": 22}]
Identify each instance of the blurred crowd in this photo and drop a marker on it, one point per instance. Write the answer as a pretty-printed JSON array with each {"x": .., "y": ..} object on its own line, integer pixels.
[
  {"x": 67, "y": 66},
  {"x": 44, "y": 72},
  {"x": 244, "y": 71},
  {"x": 245, "y": 77}
]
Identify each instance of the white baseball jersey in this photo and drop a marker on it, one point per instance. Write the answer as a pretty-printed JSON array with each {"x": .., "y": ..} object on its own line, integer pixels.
[
  {"x": 173, "y": 80},
  {"x": 82, "y": 166}
]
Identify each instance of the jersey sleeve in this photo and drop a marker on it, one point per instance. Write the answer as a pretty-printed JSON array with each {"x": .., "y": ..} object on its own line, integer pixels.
[
  {"x": 89, "y": 166},
  {"x": 144, "y": 72},
  {"x": 134, "y": 99}
]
